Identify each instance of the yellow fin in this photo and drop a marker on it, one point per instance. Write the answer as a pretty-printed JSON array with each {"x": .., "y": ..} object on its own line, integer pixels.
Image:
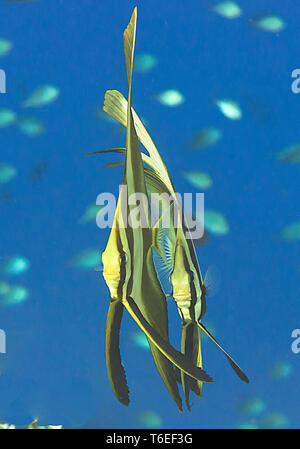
[
  {"x": 129, "y": 43},
  {"x": 115, "y": 369}
]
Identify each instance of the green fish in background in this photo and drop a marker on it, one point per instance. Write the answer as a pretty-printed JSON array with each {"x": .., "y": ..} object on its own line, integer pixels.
[
  {"x": 139, "y": 339},
  {"x": 215, "y": 222},
  {"x": 198, "y": 179},
  {"x": 204, "y": 138},
  {"x": 144, "y": 62},
  {"x": 128, "y": 264},
  {"x": 150, "y": 419},
  {"x": 291, "y": 232},
  {"x": 230, "y": 109},
  {"x": 282, "y": 370},
  {"x": 275, "y": 420},
  {"x": 7, "y": 172},
  {"x": 171, "y": 98},
  {"x": 5, "y": 47},
  {"x": 16, "y": 295},
  {"x": 227, "y": 9},
  {"x": 4, "y": 288},
  {"x": 87, "y": 259},
  {"x": 290, "y": 155},
  {"x": 31, "y": 126},
  {"x": 248, "y": 425},
  {"x": 42, "y": 96},
  {"x": 253, "y": 406},
  {"x": 15, "y": 265},
  {"x": 270, "y": 23},
  {"x": 90, "y": 214},
  {"x": 7, "y": 117}
]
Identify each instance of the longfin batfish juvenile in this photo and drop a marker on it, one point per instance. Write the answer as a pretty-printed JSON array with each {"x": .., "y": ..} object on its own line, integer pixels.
[
  {"x": 129, "y": 271},
  {"x": 189, "y": 290},
  {"x": 139, "y": 276}
]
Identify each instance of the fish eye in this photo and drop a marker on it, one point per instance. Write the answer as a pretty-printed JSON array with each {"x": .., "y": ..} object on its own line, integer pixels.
[{"x": 123, "y": 258}]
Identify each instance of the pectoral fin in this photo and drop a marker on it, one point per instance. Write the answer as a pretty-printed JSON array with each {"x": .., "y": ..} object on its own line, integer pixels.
[
  {"x": 107, "y": 150},
  {"x": 112, "y": 164},
  {"x": 234, "y": 365},
  {"x": 146, "y": 159},
  {"x": 115, "y": 369},
  {"x": 176, "y": 357}
]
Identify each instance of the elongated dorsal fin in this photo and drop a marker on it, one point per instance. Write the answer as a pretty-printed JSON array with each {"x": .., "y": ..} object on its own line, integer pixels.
[{"x": 129, "y": 44}]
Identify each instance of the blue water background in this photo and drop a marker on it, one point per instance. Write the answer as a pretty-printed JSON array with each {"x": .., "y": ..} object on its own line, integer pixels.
[{"x": 54, "y": 368}]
